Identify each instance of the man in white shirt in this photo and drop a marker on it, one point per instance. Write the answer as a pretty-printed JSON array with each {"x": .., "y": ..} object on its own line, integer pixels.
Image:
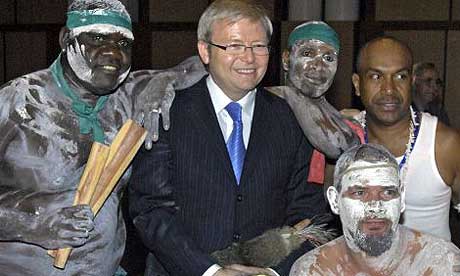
[{"x": 234, "y": 162}]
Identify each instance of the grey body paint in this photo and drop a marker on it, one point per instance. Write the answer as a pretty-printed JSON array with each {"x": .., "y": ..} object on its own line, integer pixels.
[
  {"x": 321, "y": 123},
  {"x": 42, "y": 156}
]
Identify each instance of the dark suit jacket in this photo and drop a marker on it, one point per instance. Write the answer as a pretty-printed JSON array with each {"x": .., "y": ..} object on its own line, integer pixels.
[{"x": 183, "y": 194}]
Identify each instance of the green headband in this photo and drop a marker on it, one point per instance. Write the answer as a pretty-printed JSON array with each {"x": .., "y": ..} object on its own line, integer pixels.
[
  {"x": 315, "y": 30},
  {"x": 89, "y": 17}
]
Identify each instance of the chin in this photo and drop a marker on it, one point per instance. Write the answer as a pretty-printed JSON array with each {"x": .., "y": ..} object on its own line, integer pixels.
[{"x": 374, "y": 245}]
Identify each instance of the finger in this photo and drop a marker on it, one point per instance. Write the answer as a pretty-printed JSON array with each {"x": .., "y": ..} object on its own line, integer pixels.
[
  {"x": 139, "y": 118},
  {"x": 154, "y": 124},
  {"x": 166, "y": 105},
  {"x": 83, "y": 211},
  {"x": 151, "y": 124},
  {"x": 302, "y": 224}
]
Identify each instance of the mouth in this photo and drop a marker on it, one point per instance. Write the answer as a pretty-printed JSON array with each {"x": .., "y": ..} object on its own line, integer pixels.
[
  {"x": 389, "y": 104},
  {"x": 316, "y": 80},
  {"x": 374, "y": 226},
  {"x": 246, "y": 71}
]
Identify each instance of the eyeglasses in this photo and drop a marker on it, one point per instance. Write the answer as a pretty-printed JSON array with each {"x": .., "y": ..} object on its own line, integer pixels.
[
  {"x": 240, "y": 49},
  {"x": 436, "y": 82}
]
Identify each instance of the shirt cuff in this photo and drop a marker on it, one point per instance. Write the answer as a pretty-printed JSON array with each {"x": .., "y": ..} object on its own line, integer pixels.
[
  {"x": 212, "y": 269},
  {"x": 276, "y": 273}
]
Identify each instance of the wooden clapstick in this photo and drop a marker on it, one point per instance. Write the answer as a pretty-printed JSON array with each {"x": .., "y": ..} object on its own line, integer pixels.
[
  {"x": 122, "y": 151},
  {"x": 88, "y": 181},
  {"x": 118, "y": 157}
]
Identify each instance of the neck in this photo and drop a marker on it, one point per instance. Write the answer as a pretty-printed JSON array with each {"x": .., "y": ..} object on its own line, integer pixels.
[{"x": 394, "y": 137}]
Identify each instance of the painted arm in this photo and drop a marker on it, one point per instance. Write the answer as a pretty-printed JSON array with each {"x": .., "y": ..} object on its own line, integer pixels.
[
  {"x": 157, "y": 94},
  {"x": 321, "y": 123},
  {"x": 26, "y": 217},
  {"x": 37, "y": 217}
]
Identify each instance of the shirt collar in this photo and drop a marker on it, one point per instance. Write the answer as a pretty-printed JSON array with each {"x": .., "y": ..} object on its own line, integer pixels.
[{"x": 220, "y": 100}]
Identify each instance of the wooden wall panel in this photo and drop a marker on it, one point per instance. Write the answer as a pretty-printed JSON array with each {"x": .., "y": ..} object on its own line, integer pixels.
[
  {"x": 411, "y": 10},
  {"x": 455, "y": 9},
  {"x": 41, "y": 11},
  {"x": 426, "y": 46},
  {"x": 452, "y": 90},
  {"x": 341, "y": 92},
  {"x": 170, "y": 48},
  {"x": 7, "y": 12},
  {"x": 176, "y": 10},
  {"x": 25, "y": 52}
]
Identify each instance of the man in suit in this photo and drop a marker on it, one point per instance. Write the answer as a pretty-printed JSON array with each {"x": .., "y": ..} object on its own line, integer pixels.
[{"x": 234, "y": 163}]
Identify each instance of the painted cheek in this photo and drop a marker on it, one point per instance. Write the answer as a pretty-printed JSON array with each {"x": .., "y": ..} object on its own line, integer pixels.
[{"x": 351, "y": 212}]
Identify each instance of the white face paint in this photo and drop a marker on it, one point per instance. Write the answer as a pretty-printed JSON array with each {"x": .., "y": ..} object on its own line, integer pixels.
[
  {"x": 312, "y": 66},
  {"x": 77, "y": 61},
  {"x": 370, "y": 201},
  {"x": 102, "y": 29}
]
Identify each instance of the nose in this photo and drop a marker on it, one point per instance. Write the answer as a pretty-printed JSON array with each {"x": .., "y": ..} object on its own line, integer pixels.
[
  {"x": 374, "y": 207},
  {"x": 317, "y": 63},
  {"x": 248, "y": 55},
  {"x": 388, "y": 85},
  {"x": 111, "y": 50}
]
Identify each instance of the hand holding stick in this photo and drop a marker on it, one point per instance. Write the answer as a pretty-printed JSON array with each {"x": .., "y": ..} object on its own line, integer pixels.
[{"x": 108, "y": 166}]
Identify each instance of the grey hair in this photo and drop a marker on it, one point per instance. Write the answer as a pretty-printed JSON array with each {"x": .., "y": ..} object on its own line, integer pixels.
[
  {"x": 111, "y": 5},
  {"x": 419, "y": 68},
  {"x": 371, "y": 153},
  {"x": 232, "y": 10}
]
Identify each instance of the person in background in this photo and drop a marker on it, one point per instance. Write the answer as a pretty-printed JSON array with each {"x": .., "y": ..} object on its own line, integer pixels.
[{"x": 427, "y": 90}]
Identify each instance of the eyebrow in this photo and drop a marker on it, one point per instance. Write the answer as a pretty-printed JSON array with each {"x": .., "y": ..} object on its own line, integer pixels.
[{"x": 371, "y": 69}]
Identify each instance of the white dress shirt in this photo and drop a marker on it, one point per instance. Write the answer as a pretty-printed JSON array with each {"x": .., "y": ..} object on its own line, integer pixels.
[{"x": 220, "y": 101}]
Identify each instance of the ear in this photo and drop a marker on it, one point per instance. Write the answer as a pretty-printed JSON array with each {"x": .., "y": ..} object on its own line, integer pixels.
[
  {"x": 64, "y": 37},
  {"x": 333, "y": 198},
  {"x": 203, "y": 50},
  {"x": 285, "y": 60},
  {"x": 355, "y": 80}
]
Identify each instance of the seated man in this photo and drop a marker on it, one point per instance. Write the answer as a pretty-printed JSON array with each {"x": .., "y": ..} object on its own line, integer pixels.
[{"x": 369, "y": 197}]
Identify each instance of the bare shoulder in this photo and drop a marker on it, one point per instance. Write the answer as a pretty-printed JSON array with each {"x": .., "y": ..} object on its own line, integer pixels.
[
  {"x": 447, "y": 141},
  {"x": 320, "y": 260}
]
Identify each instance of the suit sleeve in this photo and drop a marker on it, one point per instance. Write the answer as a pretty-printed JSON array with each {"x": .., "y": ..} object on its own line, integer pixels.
[
  {"x": 305, "y": 200},
  {"x": 154, "y": 212}
]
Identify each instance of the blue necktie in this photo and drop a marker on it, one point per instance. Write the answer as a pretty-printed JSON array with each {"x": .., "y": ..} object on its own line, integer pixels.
[{"x": 235, "y": 144}]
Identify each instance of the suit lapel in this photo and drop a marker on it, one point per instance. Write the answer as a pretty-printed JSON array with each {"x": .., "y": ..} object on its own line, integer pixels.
[
  {"x": 204, "y": 117},
  {"x": 260, "y": 128}
]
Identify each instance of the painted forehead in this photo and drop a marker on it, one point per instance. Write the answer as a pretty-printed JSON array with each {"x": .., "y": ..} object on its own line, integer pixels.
[
  {"x": 104, "y": 29},
  {"x": 314, "y": 43},
  {"x": 363, "y": 173}
]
